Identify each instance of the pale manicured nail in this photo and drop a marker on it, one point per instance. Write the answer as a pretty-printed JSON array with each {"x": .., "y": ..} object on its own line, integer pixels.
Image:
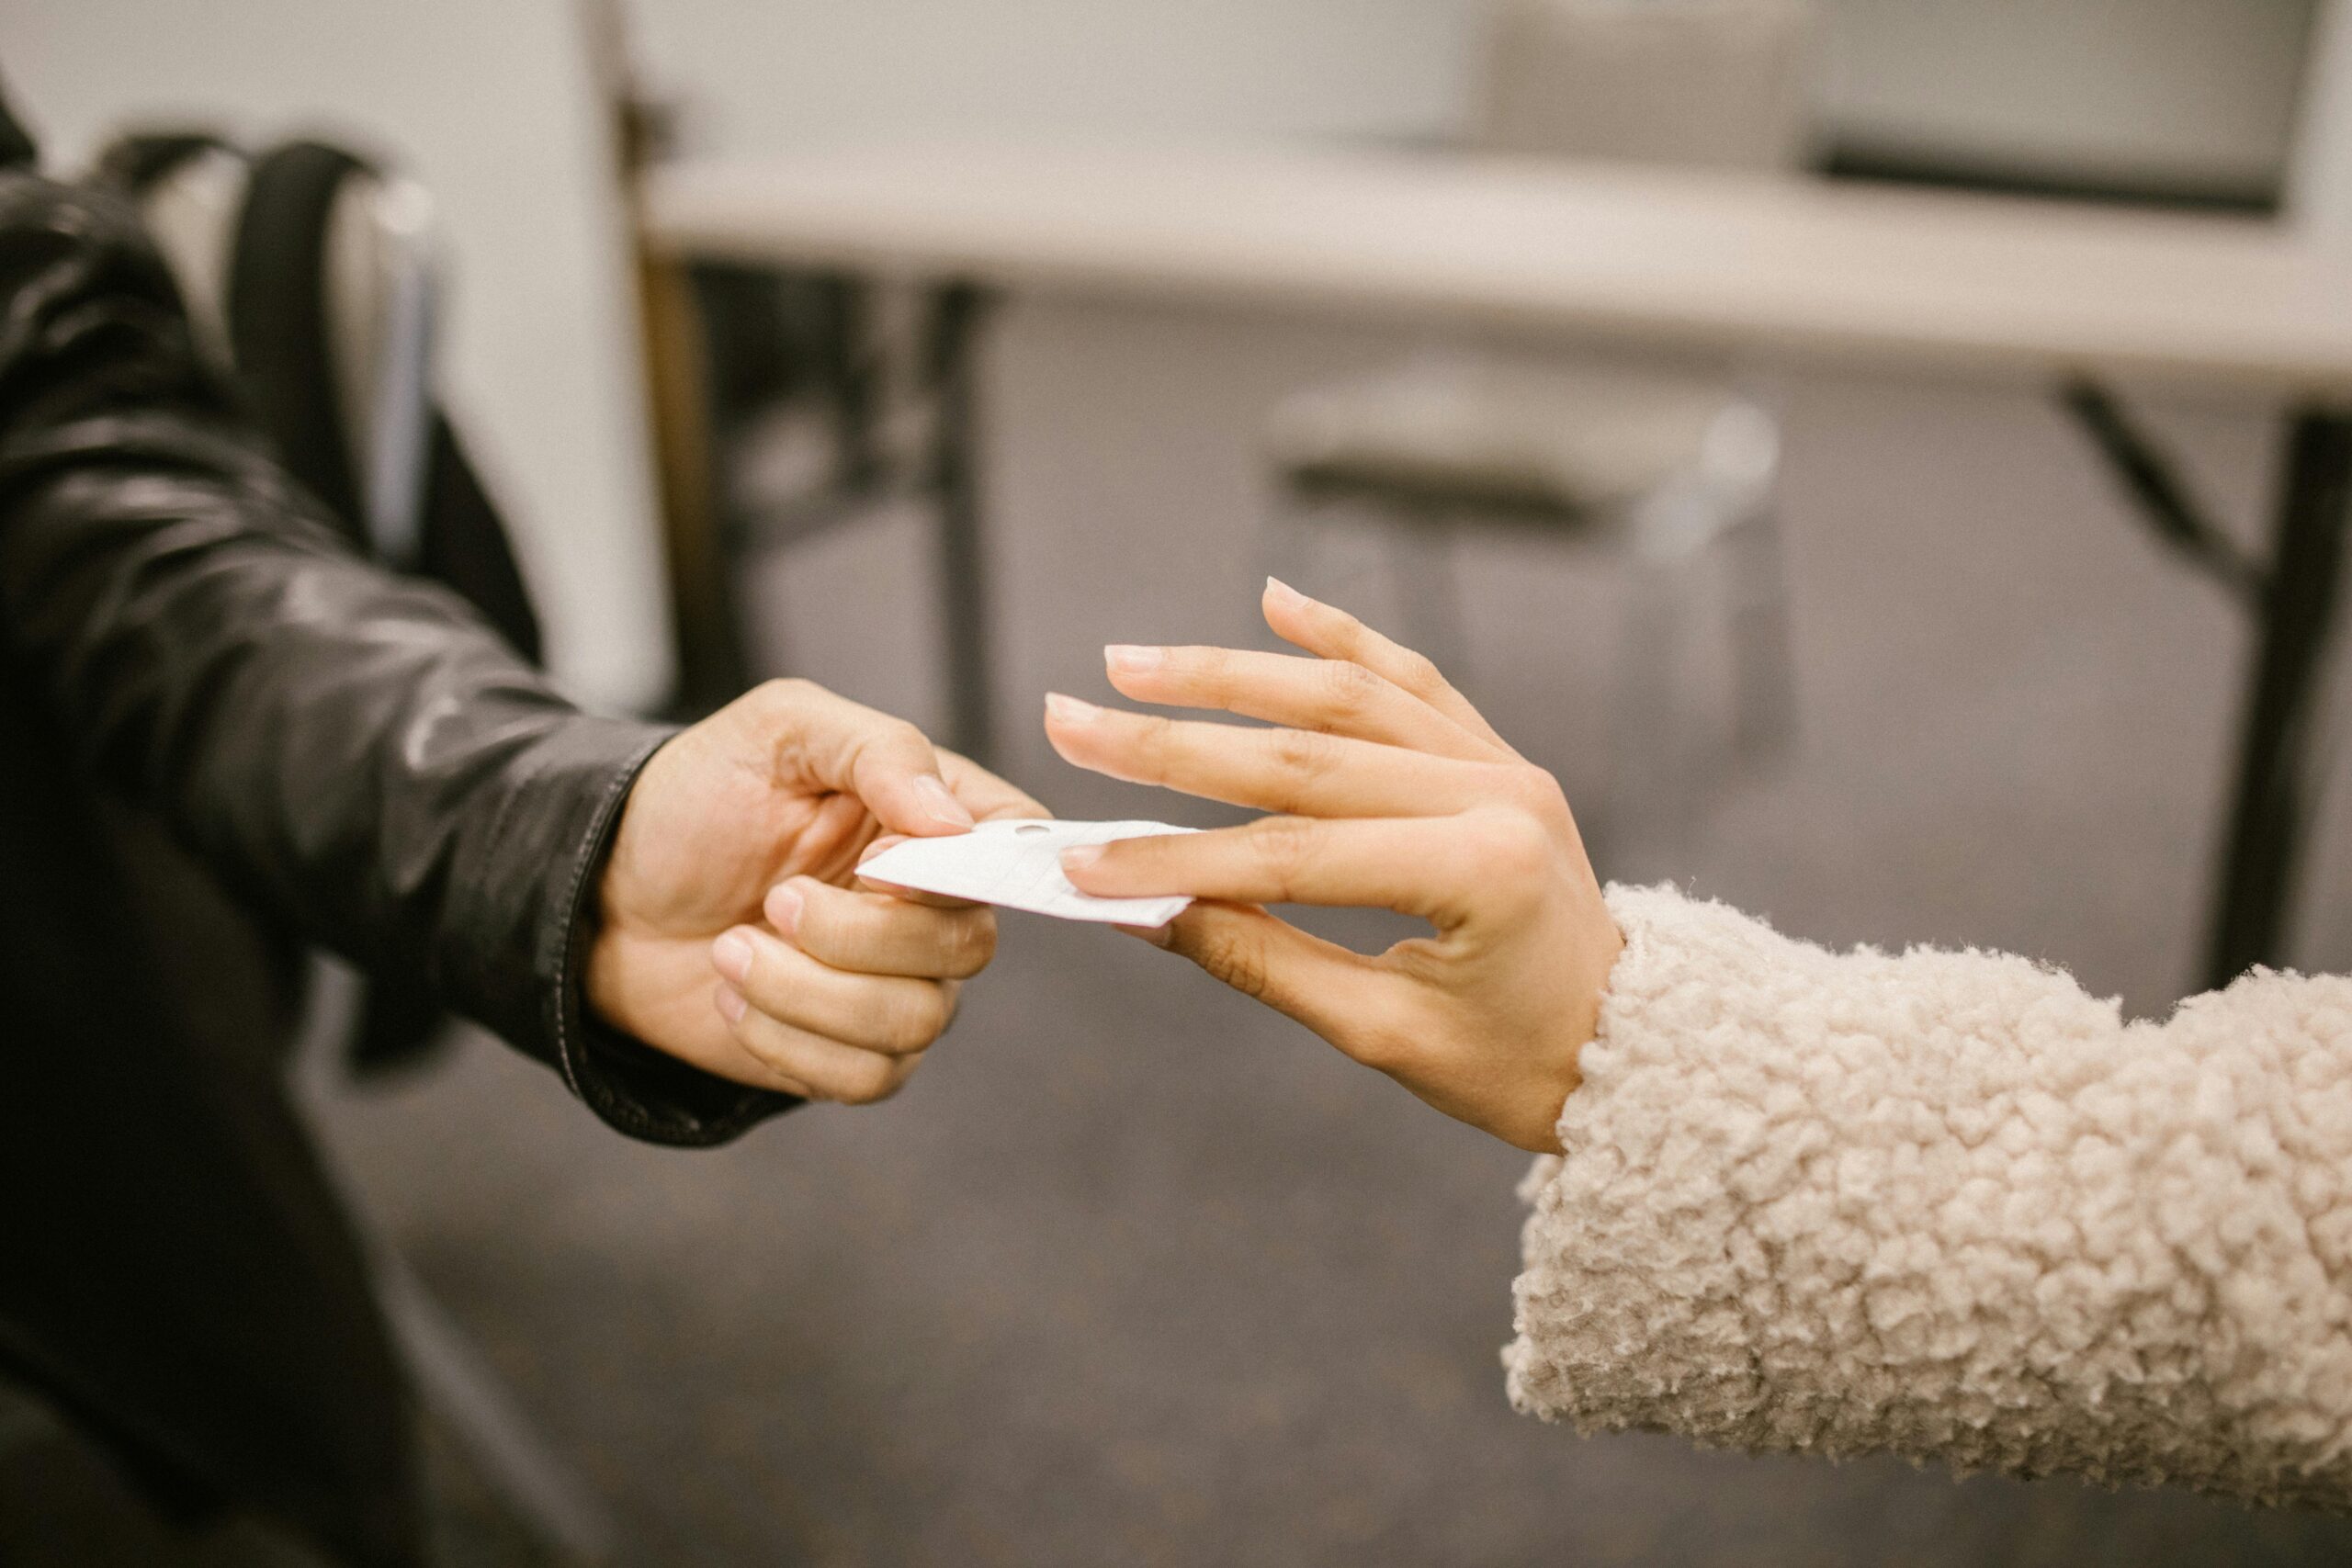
[
  {"x": 1081, "y": 857},
  {"x": 1283, "y": 593},
  {"x": 784, "y": 904},
  {"x": 940, "y": 803},
  {"x": 731, "y": 1005},
  {"x": 1129, "y": 658},
  {"x": 731, "y": 956},
  {"x": 1069, "y": 710}
]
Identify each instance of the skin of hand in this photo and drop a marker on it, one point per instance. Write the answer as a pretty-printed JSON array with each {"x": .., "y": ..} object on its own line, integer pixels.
[
  {"x": 732, "y": 932},
  {"x": 1392, "y": 793}
]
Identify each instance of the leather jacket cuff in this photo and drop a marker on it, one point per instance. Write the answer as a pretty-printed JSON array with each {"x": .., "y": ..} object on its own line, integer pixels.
[{"x": 643, "y": 1092}]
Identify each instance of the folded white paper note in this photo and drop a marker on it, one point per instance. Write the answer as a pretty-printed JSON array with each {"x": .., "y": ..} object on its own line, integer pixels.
[{"x": 1019, "y": 865}]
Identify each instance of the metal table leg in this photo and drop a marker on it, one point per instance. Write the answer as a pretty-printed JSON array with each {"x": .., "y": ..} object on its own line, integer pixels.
[
  {"x": 955, "y": 372},
  {"x": 2296, "y": 617}
]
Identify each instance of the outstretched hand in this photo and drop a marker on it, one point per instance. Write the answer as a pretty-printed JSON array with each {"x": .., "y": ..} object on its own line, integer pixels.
[
  {"x": 1393, "y": 792},
  {"x": 733, "y": 935}
]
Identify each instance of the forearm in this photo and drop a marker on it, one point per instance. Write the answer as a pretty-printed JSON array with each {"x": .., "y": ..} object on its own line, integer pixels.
[
  {"x": 1947, "y": 1205},
  {"x": 355, "y": 751}
]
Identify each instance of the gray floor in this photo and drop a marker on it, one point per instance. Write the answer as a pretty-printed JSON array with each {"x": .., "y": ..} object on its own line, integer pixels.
[{"x": 1136, "y": 1273}]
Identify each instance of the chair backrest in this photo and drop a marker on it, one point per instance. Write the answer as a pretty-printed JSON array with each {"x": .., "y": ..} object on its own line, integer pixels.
[{"x": 1717, "y": 83}]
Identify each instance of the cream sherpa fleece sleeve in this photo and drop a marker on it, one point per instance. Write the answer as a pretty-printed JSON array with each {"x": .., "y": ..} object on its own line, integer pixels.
[{"x": 1947, "y": 1205}]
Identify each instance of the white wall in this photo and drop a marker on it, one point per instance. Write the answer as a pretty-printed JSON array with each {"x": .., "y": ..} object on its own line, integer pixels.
[{"x": 489, "y": 103}]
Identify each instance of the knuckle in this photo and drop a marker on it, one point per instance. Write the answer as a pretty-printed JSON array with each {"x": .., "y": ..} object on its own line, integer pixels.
[
  {"x": 1344, "y": 631},
  {"x": 785, "y": 691},
  {"x": 1284, "y": 846},
  {"x": 871, "y": 1081},
  {"x": 817, "y": 928},
  {"x": 1212, "y": 667},
  {"x": 1510, "y": 847},
  {"x": 1420, "y": 673},
  {"x": 1349, "y": 689},
  {"x": 915, "y": 1019},
  {"x": 1536, "y": 792},
  {"x": 1303, "y": 754},
  {"x": 1237, "y": 960},
  {"x": 899, "y": 735},
  {"x": 971, "y": 943},
  {"x": 1154, "y": 742}
]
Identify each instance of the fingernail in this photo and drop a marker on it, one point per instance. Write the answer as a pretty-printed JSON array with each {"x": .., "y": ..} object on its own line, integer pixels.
[
  {"x": 1081, "y": 857},
  {"x": 730, "y": 1003},
  {"x": 784, "y": 904},
  {"x": 1283, "y": 593},
  {"x": 1134, "y": 661},
  {"x": 1069, "y": 710},
  {"x": 731, "y": 956},
  {"x": 941, "y": 804}
]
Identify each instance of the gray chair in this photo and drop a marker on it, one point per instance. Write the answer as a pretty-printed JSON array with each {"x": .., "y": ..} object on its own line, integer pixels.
[{"x": 1673, "y": 467}]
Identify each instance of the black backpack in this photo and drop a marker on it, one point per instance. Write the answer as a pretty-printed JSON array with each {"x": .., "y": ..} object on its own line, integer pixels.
[{"x": 274, "y": 326}]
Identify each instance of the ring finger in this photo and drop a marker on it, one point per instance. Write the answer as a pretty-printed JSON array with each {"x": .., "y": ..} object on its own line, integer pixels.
[
  {"x": 1277, "y": 770},
  {"x": 893, "y": 1014},
  {"x": 826, "y": 1068}
]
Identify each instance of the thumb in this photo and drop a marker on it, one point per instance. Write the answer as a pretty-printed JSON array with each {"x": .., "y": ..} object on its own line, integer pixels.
[{"x": 885, "y": 762}]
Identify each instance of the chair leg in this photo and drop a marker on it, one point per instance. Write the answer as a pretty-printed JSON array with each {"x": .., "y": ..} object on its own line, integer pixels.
[
  {"x": 1764, "y": 672},
  {"x": 1287, "y": 541},
  {"x": 1428, "y": 595},
  {"x": 1650, "y": 797}
]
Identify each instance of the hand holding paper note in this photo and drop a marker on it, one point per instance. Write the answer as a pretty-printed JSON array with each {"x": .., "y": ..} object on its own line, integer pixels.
[
  {"x": 1018, "y": 864},
  {"x": 1388, "y": 791}
]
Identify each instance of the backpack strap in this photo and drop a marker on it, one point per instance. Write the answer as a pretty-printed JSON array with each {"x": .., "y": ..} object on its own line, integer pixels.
[
  {"x": 464, "y": 543},
  {"x": 277, "y": 319},
  {"x": 282, "y": 332}
]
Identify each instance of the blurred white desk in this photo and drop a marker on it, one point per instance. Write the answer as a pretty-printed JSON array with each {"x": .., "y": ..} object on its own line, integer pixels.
[
  {"x": 1806, "y": 267},
  {"x": 2068, "y": 295}
]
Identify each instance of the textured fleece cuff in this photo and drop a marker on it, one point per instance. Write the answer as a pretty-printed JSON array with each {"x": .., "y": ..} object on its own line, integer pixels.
[{"x": 1945, "y": 1204}]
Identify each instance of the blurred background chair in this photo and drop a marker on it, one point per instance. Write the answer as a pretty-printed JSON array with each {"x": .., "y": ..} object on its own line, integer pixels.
[
  {"x": 310, "y": 275},
  {"x": 783, "y": 405},
  {"x": 1664, "y": 466}
]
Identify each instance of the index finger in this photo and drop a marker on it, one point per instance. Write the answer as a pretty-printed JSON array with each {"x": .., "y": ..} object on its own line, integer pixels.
[
  {"x": 885, "y": 762},
  {"x": 988, "y": 797},
  {"x": 1330, "y": 632}
]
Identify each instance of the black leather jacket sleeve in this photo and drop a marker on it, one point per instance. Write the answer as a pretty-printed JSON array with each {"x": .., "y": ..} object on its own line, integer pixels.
[{"x": 351, "y": 750}]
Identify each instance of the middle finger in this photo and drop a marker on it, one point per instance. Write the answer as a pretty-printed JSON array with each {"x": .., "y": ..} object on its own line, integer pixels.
[{"x": 1290, "y": 771}]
